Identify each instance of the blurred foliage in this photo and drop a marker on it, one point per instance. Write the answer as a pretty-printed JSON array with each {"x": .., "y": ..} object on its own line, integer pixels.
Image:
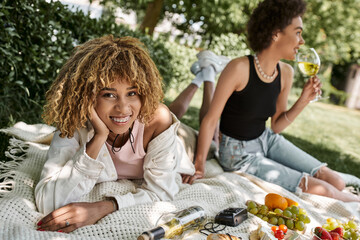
[
  {"x": 36, "y": 38},
  {"x": 182, "y": 58},
  {"x": 230, "y": 44},
  {"x": 331, "y": 27}
]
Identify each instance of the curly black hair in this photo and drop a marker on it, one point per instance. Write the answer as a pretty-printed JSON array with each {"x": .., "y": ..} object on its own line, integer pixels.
[{"x": 269, "y": 16}]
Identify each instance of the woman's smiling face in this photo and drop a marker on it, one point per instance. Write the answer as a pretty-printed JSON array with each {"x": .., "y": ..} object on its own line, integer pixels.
[
  {"x": 118, "y": 106},
  {"x": 290, "y": 39}
]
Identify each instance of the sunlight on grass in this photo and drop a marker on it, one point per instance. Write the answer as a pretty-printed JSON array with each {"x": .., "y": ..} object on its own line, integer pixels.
[{"x": 336, "y": 127}]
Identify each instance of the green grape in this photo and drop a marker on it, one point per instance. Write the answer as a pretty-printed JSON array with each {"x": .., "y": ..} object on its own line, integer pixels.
[
  {"x": 278, "y": 211},
  {"x": 302, "y": 211},
  {"x": 287, "y": 213},
  {"x": 271, "y": 214},
  {"x": 273, "y": 221},
  {"x": 265, "y": 218},
  {"x": 355, "y": 236},
  {"x": 326, "y": 226},
  {"x": 333, "y": 225},
  {"x": 294, "y": 209},
  {"x": 347, "y": 234},
  {"x": 301, "y": 217},
  {"x": 330, "y": 220},
  {"x": 352, "y": 224},
  {"x": 281, "y": 221},
  {"x": 306, "y": 220},
  {"x": 288, "y": 208},
  {"x": 252, "y": 204},
  {"x": 264, "y": 207},
  {"x": 300, "y": 225},
  {"x": 263, "y": 211},
  {"x": 339, "y": 222},
  {"x": 290, "y": 224},
  {"x": 259, "y": 215},
  {"x": 254, "y": 211}
]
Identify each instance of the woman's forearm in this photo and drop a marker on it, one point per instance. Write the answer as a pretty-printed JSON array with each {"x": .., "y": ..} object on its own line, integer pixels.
[
  {"x": 94, "y": 146},
  {"x": 206, "y": 133},
  {"x": 287, "y": 117}
]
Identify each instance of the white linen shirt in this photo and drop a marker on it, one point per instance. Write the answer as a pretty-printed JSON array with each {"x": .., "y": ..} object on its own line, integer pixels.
[{"x": 70, "y": 173}]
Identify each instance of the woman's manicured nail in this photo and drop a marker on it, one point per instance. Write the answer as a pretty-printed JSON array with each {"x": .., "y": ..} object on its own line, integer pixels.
[
  {"x": 39, "y": 223},
  {"x": 60, "y": 231},
  {"x": 40, "y": 229}
]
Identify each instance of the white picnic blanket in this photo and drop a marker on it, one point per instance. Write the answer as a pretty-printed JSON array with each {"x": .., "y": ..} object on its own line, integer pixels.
[{"x": 217, "y": 191}]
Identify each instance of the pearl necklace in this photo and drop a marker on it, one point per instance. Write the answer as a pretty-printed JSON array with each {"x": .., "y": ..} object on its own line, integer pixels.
[{"x": 262, "y": 72}]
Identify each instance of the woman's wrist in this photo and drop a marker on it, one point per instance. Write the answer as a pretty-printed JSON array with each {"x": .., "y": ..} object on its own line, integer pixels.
[
  {"x": 102, "y": 137},
  {"x": 94, "y": 146},
  {"x": 114, "y": 204},
  {"x": 199, "y": 165}
]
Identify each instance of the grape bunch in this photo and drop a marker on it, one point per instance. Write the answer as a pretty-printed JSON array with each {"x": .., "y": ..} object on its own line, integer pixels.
[
  {"x": 293, "y": 217},
  {"x": 351, "y": 229}
]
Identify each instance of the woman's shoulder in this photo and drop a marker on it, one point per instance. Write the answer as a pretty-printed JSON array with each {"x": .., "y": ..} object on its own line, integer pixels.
[
  {"x": 235, "y": 75},
  {"x": 239, "y": 62},
  {"x": 237, "y": 67},
  {"x": 161, "y": 120},
  {"x": 286, "y": 68}
]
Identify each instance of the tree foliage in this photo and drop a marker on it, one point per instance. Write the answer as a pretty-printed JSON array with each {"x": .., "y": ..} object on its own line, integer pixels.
[
  {"x": 36, "y": 38},
  {"x": 330, "y": 26}
]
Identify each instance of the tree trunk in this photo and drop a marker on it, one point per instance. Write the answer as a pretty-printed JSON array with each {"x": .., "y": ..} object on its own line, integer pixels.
[{"x": 152, "y": 16}]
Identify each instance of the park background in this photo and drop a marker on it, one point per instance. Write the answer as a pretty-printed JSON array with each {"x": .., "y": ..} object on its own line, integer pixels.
[{"x": 37, "y": 37}]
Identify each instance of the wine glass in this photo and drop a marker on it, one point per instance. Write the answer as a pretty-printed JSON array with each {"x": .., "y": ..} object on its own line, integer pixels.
[{"x": 309, "y": 64}]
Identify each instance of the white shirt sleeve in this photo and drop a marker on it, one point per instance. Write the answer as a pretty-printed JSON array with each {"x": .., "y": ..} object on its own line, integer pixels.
[{"x": 68, "y": 174}]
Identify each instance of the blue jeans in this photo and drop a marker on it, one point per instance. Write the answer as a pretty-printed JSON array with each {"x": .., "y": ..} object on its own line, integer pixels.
[{"x": 270, "y": 157}]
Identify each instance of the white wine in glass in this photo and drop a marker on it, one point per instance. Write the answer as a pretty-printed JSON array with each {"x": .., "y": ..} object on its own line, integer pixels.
[{"x": 309, "y": 64}]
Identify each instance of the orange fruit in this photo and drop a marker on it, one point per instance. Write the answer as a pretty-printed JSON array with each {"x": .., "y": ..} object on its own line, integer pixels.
[
  {"x": 273, "y": 200},
  {"x": 283, "y": 228},
  {"x": 291, "y": 202}
]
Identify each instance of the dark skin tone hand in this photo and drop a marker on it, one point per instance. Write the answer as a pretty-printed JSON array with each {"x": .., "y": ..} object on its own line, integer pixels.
[{"x": 76, "y": 214}]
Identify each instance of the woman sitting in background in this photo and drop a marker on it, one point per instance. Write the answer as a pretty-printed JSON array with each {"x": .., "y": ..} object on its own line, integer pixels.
[{"x": 253, "y": 88}]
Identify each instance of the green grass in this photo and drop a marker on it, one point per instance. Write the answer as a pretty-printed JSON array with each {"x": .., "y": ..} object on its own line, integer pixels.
[{"x": 328, "y": 132}]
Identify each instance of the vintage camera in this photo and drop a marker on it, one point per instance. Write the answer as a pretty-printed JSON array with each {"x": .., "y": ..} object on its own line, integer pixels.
[{"x": 231, "y": 216}]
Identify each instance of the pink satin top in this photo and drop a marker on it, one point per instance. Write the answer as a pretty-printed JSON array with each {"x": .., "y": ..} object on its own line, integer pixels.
[{"x": 129, "y": 165}]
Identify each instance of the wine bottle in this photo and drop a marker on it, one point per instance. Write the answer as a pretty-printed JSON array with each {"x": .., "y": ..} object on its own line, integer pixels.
[{"x": 176, "y": 224}]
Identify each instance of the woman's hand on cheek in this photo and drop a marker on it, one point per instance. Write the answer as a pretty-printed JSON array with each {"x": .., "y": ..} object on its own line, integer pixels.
[
  {"x": 73, "y": 216},
  {"x": 98, "y": 124}
]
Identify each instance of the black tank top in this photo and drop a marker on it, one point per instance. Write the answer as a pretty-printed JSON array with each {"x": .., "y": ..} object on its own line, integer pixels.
[{"x": 246, "y": 111}]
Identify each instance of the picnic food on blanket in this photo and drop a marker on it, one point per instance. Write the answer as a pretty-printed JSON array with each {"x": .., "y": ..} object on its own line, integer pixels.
[
  {"x": 219, "y": 236},
  {"x": 291, "y": 202},
  {"x": 273, "y": 200},
  {"x": 347, "y": 230},
  {"x": 294, "y": 217},
  {"x": 279, "y": 231},
  {"x": 281, "y": 227},
  {"x": 262, "y": 232},
  {"x": 322, "y": 234},
  {"x": 175, "y": 224}
]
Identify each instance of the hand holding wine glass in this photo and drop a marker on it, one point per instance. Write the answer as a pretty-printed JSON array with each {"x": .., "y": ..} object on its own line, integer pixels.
[{"x": 309, "y": 64}]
